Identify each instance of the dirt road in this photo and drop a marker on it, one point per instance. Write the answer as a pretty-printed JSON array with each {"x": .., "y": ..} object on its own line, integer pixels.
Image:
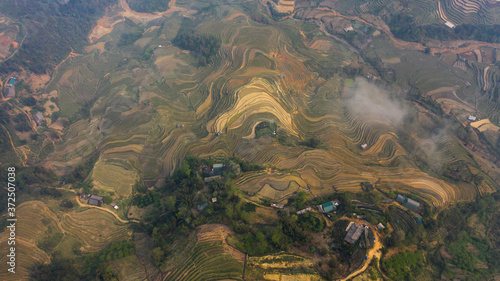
[{"x": 374, "y": 252}]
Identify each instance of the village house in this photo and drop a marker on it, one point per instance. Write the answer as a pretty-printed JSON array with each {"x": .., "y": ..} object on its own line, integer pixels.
[
  {"x": 95, "y": 200},
  {"x": 408, "y": 203},
  {"x": 471, "y": 118},
  {"x": 380, "y": 226},
  {"x": 277, "y": 206},
  {"x": 449, "y": 24},
  {"x": 113, "y": 204},
  {"x": 10, "y": 91},
  {"x": 38, "y": 117},
  {"x": 305, "y": 210},
  {"x": 328, "y": 207},
  {"x": 353, "y": 233}
]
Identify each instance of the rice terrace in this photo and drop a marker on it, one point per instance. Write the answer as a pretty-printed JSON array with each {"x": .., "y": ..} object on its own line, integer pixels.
[{"x": 250, "y": 139}]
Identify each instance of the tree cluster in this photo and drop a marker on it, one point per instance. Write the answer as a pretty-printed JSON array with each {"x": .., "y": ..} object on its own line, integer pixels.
[
  {"x": 129, "y": 38},
  {"x": 403, "y": 27},
  {"x": 53, "y": 31},
  {"x": 205, "y": 46},
  {"x": 149, "y": 6}
]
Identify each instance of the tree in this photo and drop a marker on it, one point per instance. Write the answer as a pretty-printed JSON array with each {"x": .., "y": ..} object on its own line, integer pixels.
[
  {"x": 29, "y": 101},
  {"x": 157, "y": 254},
  {"x": 107, "y": 200}
]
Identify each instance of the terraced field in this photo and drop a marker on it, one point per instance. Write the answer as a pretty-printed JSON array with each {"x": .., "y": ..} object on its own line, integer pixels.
[
  {"x": 468, "y": 11},
  {"x": 37, "y": 221},
  {"x": 93, "y": 228},
  {"x": 211, "y": 258},
  {"x": 39, "y": 231},
  {"x": 145, "y": 116}
]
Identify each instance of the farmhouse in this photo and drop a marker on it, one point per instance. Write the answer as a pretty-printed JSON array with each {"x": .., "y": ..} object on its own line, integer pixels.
[
  {"x": 212, "y": 178},
  {"x": 471, "y": 118},
  {"x": 38, "y": 117},
  {"x": 467, "y": 84},
  {"x": 217, "y": 170},
  {"x": 364, "y": 146},
  {"x": 449, "y": 24},
  {"x": 95, "y": 200},
  {"x": 214, "y": 200},
  {"x": 380, "y": 226},
  {"x": 408, "y": 203},
  {"x": 328, "y": 207},
  {"x": 10, "y": 91},
  {"x": 349, "y": 28},
  {"x": 277, "y": 206},
  {"x": 11, "y": 81},
  {"x": 113, "y": 204},
  {"x": 303, "y": 211},
  {"x": 353, "y": 233}
]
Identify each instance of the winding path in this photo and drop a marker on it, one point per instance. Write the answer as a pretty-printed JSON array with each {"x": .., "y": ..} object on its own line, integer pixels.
[
  {"x": 101, "y": 208},
  {"x": 374, "y": 252}
]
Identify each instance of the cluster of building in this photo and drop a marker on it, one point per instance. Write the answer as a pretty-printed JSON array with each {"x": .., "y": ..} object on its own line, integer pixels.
[
  {"x": 10, "y": 92},
  {"x": 213, "y": 172},
  {"x": 408, "y": 203}
]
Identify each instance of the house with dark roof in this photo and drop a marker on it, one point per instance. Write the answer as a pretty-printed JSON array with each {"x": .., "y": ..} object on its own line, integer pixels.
[
  {"x": 95, "y": 200},
  {"x": 38, "y": 117},
  {"x": 10, "y": 91},
  {"x": 353, "y": 233},
  {"x": 217, "y": 169},
  {"x": 412, "y": 205},
  {"x": 408, "y": 203}
]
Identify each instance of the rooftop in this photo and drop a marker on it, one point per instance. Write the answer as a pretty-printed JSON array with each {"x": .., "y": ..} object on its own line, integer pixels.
[
  {"x": 353, "y": 233},
  {"x": 38, "y": 117},
  {"x": 11, "y": 81},
  {"x": 100, "y": 198},
  {"x": 10, "y": 92},
  {"x": 408, "y": 203},
  {"x": 328, "y": 207}
]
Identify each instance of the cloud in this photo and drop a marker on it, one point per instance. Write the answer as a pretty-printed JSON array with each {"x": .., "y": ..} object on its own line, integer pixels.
[{"x": 370, "y": 102}]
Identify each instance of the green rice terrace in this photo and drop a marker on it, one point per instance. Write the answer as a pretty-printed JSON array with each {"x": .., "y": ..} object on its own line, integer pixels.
[{"x": 252, "y": 140}]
